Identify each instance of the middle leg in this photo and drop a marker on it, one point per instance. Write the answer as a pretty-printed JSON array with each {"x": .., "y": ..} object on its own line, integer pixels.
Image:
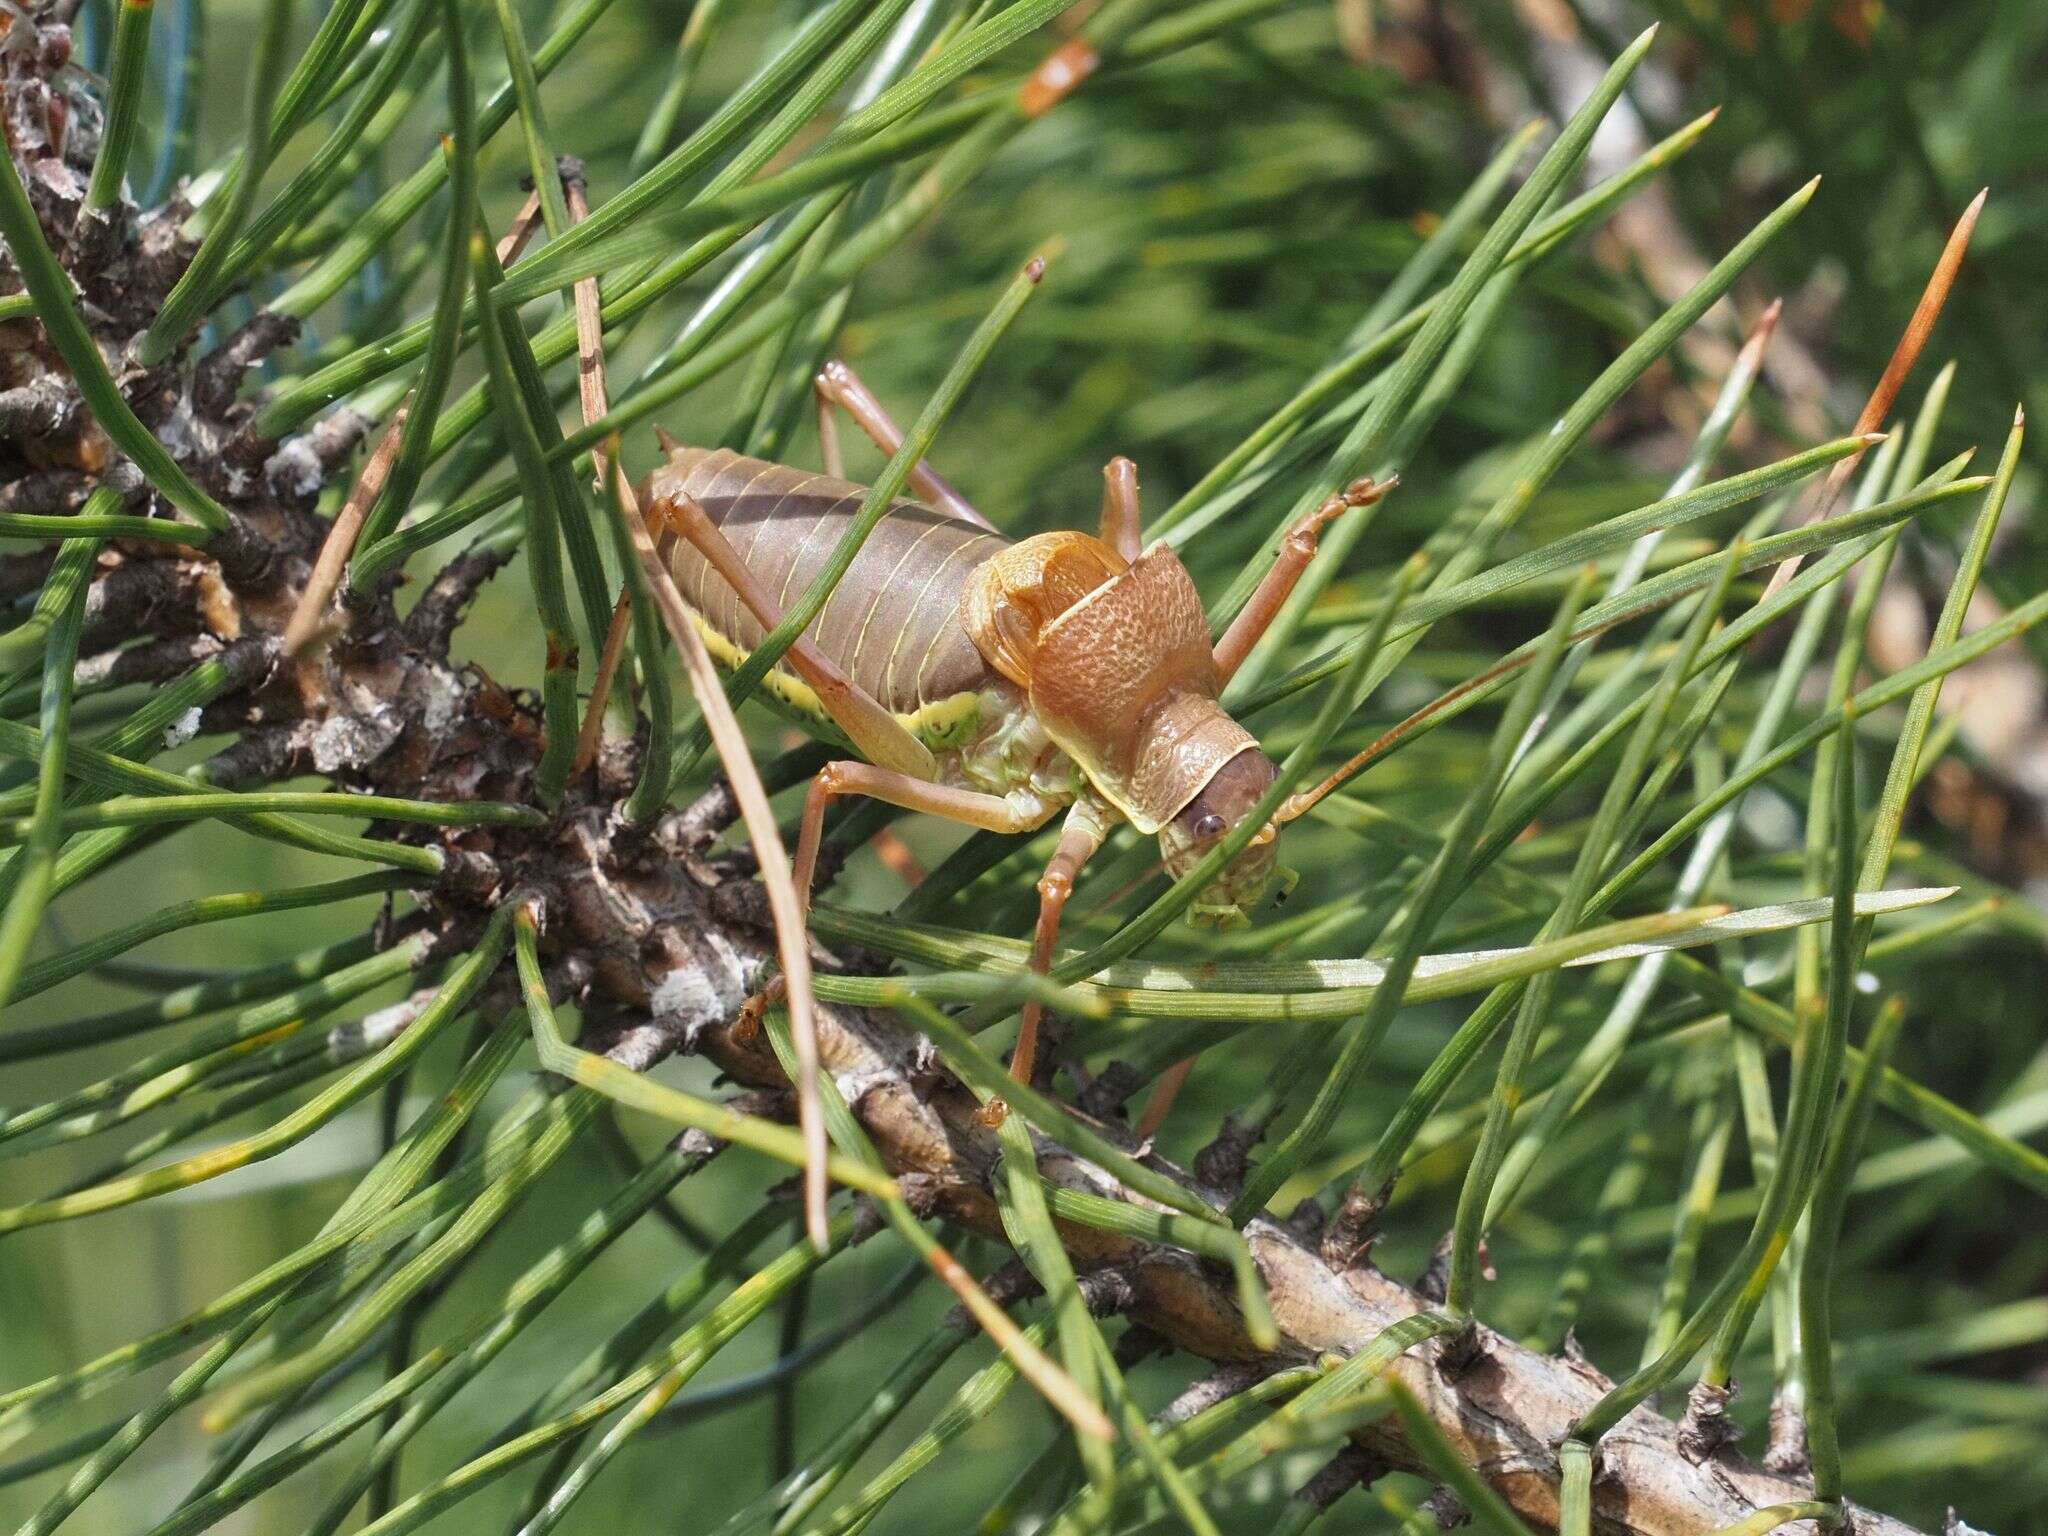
[
  {"x": 1086, "y": 827},
  {"x": 990, "y": 813}
]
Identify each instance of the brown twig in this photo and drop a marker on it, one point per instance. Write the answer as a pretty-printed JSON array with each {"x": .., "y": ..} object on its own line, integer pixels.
[
  {"x": 1904, "y": 355},
  {"x": 1751, "y": 356},
  {"x": 1503, "y": 1414},
  {"x": 591, "y": 735},
  {"x": 592, "y": 396},
  {"x": 524, "y": 226},
  {"x": 329, "y": 566},
  {"x": 790, "y": 929},
  {"x": 792, "y": 943}
]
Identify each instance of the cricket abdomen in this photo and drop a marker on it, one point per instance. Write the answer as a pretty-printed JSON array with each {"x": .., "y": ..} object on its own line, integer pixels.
[{"x": 893, "y": 621}]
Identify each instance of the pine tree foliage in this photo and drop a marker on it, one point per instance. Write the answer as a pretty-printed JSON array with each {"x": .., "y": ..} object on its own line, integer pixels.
[{"x": 1647, "y": 1059}]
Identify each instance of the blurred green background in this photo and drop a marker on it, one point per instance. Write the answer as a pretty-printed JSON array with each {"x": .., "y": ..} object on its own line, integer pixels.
[{"x": 1223, "y": 220}]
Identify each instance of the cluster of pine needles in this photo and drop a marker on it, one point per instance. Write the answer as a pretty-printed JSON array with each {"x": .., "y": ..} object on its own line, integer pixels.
[{"x": 1632, "y": 1004}]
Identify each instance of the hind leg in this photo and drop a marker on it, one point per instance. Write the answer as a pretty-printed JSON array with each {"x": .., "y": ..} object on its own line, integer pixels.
[
  {"x": 837, "y": 384},
  {"x": 867, "y": 724}
]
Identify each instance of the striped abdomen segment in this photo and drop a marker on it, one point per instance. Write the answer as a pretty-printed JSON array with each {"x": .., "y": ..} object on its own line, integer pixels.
[{"x": 892, "y": 623}]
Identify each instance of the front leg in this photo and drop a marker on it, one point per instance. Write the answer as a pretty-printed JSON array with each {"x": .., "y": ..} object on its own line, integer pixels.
[
  {"x": 1292, "y": 558},
  {"x": 1086, "y": 827}
]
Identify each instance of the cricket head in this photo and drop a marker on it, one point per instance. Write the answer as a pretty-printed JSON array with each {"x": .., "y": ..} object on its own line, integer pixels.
[{"x": 1231, "y": 794}]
